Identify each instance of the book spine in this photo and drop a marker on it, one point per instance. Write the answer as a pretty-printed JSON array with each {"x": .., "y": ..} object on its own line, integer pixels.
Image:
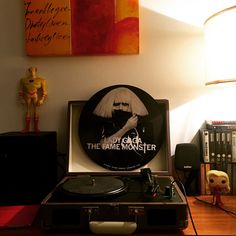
[
  {"x": 202, "y": 179},
  {"x": 229, "y": 146},
  {"x": 229, "y": 126},
  {"x": 207, "y": 168},
  {"x": 232, "y": 178},
  {"x": 212, "y": 146},
  {"x": 233, "y": 146},
  {"x": 221, "y": 122},
  {"x": 223, "y": 152},
  {"x": 205, "y": 145},
  {"x": 218, "y": 149},
  {"x": 230, "y": 174}
]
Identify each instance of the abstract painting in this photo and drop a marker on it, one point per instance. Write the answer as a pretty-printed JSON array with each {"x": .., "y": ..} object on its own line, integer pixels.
[{"x": 81, "y": 27}]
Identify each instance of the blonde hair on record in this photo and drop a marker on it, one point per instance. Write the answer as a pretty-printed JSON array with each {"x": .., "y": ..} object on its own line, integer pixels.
[{"x": 122, "y": 95}]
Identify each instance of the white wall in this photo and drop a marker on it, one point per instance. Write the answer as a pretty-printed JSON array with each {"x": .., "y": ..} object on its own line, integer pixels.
[{"x": 170, "y": 65}]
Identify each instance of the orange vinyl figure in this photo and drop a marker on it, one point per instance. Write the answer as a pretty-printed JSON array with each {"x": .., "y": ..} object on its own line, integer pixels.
[
  {"x": 218, "y": 183},
  {"x": 33, "y": 93}
]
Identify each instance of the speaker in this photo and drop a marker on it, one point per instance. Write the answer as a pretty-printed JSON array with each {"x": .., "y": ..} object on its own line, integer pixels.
[
  {"x": 28, "y": 166},
  {"x": 187, "y": 165},
  {"x": 187, "y": 157}
]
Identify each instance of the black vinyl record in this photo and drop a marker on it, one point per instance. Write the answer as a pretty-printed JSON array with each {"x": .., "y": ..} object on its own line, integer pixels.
[
  {"x": 93, "y": 186},
  {"x": 121, "y": 128}
]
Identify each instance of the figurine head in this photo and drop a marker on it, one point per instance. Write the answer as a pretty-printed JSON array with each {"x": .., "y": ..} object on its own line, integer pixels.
[
  {"x": 218, "y": 180},
  {"x": 32, "y": 71}
]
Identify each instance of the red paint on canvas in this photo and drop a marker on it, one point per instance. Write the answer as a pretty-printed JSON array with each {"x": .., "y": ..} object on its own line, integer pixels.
[{"x": 92, "y": 26}]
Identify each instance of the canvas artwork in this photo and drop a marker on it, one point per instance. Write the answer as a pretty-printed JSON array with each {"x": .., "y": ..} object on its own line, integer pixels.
[{"x": 81, "y": 27}]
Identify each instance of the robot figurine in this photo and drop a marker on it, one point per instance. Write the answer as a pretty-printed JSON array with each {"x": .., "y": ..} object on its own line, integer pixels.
[
  {"x": 218, "y": 183},
  {"x": 33, "y": 93}
]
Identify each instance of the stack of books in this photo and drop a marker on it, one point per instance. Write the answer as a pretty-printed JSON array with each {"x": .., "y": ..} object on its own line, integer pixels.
[{"x": 219, "y": 150}]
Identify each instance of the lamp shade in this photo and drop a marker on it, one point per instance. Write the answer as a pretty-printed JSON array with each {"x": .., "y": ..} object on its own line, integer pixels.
[{"x": 220, "y": 47}]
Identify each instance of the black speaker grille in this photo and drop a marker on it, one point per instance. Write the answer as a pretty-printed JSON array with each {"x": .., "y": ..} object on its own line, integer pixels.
[{"x": 187, "y": 157}]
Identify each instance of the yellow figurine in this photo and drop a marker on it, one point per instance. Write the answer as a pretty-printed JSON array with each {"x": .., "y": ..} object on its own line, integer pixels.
[
  {"x": 33, "y": 93},
  {"x": 218, "y": 183}
]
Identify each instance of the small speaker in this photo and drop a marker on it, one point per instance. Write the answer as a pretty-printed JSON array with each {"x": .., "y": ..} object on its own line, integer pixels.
[{"x": 187, "y": 157}]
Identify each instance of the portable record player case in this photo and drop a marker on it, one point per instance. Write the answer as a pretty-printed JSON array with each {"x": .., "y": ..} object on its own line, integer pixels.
[{"x": 135, "y": 208}]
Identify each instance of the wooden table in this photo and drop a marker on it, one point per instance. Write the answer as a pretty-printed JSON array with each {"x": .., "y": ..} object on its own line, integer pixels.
[{"x": 208, "y": 220}]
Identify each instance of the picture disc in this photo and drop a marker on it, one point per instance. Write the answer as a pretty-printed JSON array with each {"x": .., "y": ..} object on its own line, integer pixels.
[{"x": 121, "y": 128}]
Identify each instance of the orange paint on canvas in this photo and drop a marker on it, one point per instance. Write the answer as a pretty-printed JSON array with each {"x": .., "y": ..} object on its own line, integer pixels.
[
  {"x": 126, "y": 34},
  {"x": 47, "y": 27},
  {"x": 127, "y": 8},
  {"x": 126, "y": 40}
]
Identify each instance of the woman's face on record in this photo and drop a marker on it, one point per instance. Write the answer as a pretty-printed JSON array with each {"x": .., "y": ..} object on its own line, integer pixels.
[{"x": 123, "y": 106}]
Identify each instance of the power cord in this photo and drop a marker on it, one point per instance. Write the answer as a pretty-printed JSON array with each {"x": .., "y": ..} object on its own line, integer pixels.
[
  {"x": 189, "y": 210},
  {"x": 217, "y": 206}
]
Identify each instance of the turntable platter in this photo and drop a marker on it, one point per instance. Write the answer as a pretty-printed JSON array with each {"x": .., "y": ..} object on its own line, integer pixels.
[{"x": 93, "y": 186}]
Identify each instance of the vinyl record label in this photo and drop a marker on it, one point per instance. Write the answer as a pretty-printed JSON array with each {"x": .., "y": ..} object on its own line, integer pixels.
[{"x": 121, "y": 128}]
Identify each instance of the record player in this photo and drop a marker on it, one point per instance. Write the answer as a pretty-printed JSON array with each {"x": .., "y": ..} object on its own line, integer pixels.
[{"x": 119, "y": 167}]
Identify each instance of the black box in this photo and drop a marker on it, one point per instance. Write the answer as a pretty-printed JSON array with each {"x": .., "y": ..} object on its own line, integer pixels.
[{"x": 28, "y": 166}]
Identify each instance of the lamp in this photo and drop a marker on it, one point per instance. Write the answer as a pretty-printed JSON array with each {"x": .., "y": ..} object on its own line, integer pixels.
[{"x": 220, "y": 47}]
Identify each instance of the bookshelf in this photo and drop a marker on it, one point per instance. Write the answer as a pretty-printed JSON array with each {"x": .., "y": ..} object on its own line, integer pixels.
[{"x": 218, "y": 151}]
